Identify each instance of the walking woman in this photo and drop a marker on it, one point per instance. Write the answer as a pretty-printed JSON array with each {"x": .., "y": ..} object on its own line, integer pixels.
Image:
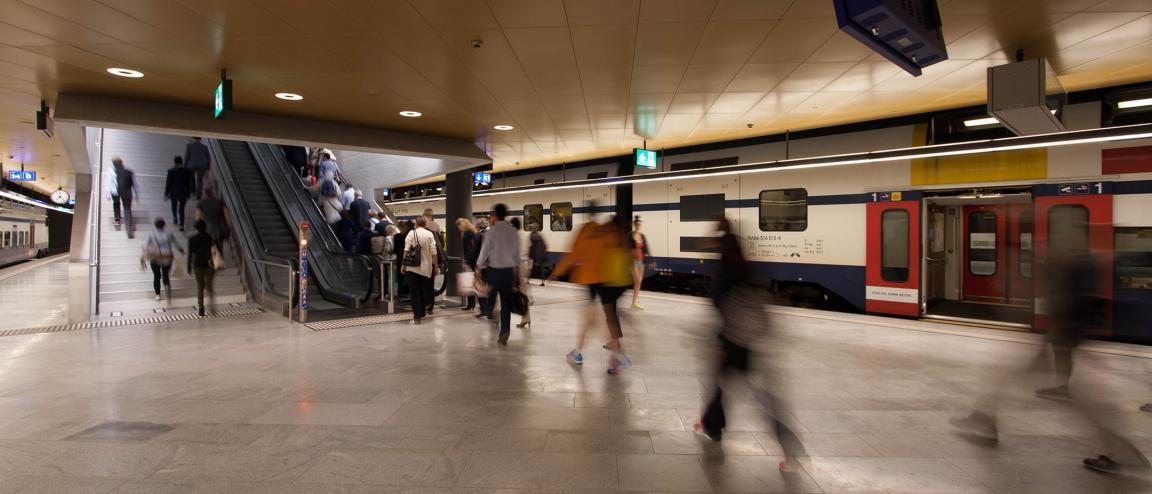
[
  {"x": 158, "y": 251},
  {"x": 469, "y": 238},
  {"x": 419, "y": 262},
  {"x": 524, "y": 272},
  {"x": 200, "y": 263},
  {"x": 638, "y": 244}
]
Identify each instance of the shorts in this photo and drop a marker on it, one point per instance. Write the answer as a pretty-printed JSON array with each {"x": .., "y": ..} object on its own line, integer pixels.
[{"x": 607, "y": 294}]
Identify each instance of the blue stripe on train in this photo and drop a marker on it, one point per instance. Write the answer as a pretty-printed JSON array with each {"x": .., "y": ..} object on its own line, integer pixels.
[{"x": 846, "y": 281}]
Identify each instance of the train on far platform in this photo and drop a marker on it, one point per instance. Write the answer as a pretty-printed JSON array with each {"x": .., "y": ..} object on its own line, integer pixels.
[
  {"x": 954, "y": 236},
  {"x": 23, "y": 232}
]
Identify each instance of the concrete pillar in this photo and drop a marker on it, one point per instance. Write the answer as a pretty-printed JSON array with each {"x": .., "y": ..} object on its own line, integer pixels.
[
  {"x": 457, "y": 204},
  {"x": 624, "y": 195}
]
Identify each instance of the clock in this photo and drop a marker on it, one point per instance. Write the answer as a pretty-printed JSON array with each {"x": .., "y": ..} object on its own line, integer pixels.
[{"x": 60, "y": 197}]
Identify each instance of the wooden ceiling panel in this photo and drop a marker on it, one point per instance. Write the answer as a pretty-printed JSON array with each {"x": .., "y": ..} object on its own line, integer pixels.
[
  {"x": 657, "y": 79},
  {"x": 555, "y": 82},
  {"x": 864, "y": 76},
  {"x": 608, "y": 121},
  {"x": 841, "y": 48},
  {"x": 542, "y": 48},
  {"x": 813, "y": 76},
  {"x": 529, "y": 13},
  {"x": 708, "y": 78},
  {"x": 780, "y": 102},
  {"x": 606, "y": 80},
  {"x": 567, "y": 105},
  {"x": 692, "y": 102},
  {"x": 506, "y": 82},
  {"x": 675, "y": 10},
  {"x": 794, "y": 40},
  {"x": 808, "y": 9},
  {"x": 1081, "y": 27},
  {"x": 730, "y": 41},
  {"x": 747, "y": 10},
  {"x": 236, "y": 19},
  {"x": 602, "y": 12},
  {"x": 606, "y": 102},
  {"x": 736, "y": 102},
  {"x": 1125, "y": 36},
  {"x": 600, "y": 46},
  {"x": 1122, "y": 6},
  {"x": 668, "y": 43},
  {"x": 761, "y": 77}
]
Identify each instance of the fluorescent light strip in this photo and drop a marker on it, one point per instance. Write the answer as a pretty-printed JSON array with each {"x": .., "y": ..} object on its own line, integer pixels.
[
  {"x": 980, "y": 122},
  {"x": 1134, "y": 103},
  {"x": 1140, "y": 131},
  {"x": 33, "y": 202}
]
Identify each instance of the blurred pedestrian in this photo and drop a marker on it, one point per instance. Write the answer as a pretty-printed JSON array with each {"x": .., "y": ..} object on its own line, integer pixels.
[
  {"x": 538, "y": 251},
  {"x": 470, "y": 248},
  {"x": 524, "y": 271},
  {"x": 126, "y": 190},
  {"x": 198, "y": 160},
  {"x": 382, "y": 223},
  {"x": 419, "y": 262},
  {"x": 640, "y": 257},
  {"x": 327, "y": 167},
  {"x": 201, "y": 265},
  {"x": 111, "y": 185},
  {"x": 498, "y": 263},
  {"x": 160, "y": 251},
  {"x": 360, "y": 209},
  {"x": 486, "y": 300},
  {"x": 398, "y": 239},
  {"x": 177, "y": 189},
  {"x": 297, "y": 156},
  {"x": 348, "y": 196},
  {"x": 345, "y": 230},
  {"x": 215, "y": 215}
]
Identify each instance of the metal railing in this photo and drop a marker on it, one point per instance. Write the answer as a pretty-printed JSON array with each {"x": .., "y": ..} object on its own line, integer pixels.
[{"x": 292, "y": 273}]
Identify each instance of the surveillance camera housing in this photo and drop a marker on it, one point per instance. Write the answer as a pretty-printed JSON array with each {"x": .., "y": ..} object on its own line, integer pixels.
[{"x": 477, "y": 43}]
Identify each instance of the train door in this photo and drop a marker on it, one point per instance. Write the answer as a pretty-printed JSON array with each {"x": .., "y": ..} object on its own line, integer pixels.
[
  {"x": 892, "y": 269},
  {"x": 936, "y": 247},
  {"x": 1070, "y": 220}
]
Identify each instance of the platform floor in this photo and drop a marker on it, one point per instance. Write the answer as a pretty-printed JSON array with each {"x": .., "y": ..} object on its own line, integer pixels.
[
  {"x": 258, "y": 404},
  {"x": 35, "y": 293}
]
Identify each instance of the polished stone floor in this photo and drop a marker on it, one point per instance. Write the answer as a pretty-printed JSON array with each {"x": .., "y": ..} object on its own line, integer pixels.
[
  {"x": 35, "y": 294},
  {"x": 255, "y": 404}
]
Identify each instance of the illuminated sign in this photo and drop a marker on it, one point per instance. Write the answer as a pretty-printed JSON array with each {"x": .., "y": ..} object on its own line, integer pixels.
[
  {"x": 21, "y": 175},
  {"x": 482, "y": 178},
  {"x": 644, "y": 158},
  {"x": 223, "y": 98}
]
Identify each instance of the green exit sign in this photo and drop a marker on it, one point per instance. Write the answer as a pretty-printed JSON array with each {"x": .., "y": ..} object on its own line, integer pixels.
[
  {"x": 644, "y": 158},
  {"x": 223, "y": 100}
]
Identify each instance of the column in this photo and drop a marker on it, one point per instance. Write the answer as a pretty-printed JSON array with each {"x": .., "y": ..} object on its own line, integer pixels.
[{"x": 457, "y": 204}]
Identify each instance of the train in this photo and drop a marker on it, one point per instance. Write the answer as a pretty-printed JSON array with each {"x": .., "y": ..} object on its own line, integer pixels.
[
  {"x": 957, "y": 237},
  {"x": 23, "y": 232}
]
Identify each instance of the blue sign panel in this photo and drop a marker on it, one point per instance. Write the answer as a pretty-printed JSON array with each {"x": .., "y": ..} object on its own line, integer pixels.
[
  {"x": 22, "y": 175},
  {"x": 482, "y": 178}
]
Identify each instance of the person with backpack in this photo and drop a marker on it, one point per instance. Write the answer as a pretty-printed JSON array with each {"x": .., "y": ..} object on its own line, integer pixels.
[
  {"x": 177, "y": 189},
  {"x": 159, "y": 252},
  {"x": 126, "y": 190}
]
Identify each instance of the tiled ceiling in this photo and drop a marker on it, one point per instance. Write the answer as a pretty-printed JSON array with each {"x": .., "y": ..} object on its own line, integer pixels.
[{"x": 577, "y": 78}]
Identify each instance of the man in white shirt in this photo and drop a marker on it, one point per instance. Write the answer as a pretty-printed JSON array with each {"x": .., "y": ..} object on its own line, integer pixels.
[
  {"x": 420, "y": 276},
  {"x": 348, "y": 196},
  {"x": 498, "y": 262}
]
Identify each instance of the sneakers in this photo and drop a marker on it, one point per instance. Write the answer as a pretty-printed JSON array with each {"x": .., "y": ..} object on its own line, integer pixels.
[
  {"x": 618, "y": 363},
  {"x": 979, "y": 425},
  {"x": 1147, "y": 407},
  {"x": 637, "y": 307},
  {"x": 157, "y": 297},
  {"x": 574, "y": 357},
  {"x": 1055, "y": 393},
  {"x": 116, "y": 222},
  {"x": 1102, "y": 464}
]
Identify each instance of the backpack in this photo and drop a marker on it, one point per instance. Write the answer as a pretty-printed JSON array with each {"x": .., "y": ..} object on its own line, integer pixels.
[
  {"x": 124, "y": 179},
  {"x": 382, "y": 245},
  {"x": 328, "y": 188}
]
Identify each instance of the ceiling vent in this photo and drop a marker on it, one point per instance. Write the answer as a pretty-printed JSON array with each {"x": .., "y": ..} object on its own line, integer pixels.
[{"x": 1026, "y": 97}]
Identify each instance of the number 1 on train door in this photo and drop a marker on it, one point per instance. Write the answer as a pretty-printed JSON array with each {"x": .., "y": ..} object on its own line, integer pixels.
[{"x": 892, "y": 271}]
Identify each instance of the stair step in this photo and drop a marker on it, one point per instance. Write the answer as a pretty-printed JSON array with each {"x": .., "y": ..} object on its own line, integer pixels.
[{"x": 148, "y": 294}]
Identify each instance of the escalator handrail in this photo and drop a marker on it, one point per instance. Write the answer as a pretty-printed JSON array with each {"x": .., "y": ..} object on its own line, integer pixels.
[{"x": 322, "y": 244}]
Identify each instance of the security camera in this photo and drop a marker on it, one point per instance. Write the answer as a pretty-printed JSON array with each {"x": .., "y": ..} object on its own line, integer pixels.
[{"x": 477, "y": 43}]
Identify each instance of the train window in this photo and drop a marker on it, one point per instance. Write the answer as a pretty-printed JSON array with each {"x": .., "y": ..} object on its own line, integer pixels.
[
  {"x": 533, "y": 213},
  {"x": 699, "y": 244},
  {"x": 1067, "y": 230},
  {"x": 1024, "y": 229},
  {"x": 1134, "y": 258},
  {"x": 894, "y": 245},
  {"x": 561, "y": 213},
  {"x": 596, "y": 175},
  {"x": 7, "y": 239},
  {"x": 982, "y": 250},
  {"x": 784, "y": 210},
  {"x": 706, "y": 207}
]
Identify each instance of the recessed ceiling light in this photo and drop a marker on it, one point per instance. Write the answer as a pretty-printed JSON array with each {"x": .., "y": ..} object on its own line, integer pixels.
[
  {"x": 289, "y": 96},
  {"x": 503, "y": 127},
  {"x": 410, "y": 113},
  {"x": 1134, "y": 103},
  {"x": 135, "y": 74},
  {"x": 980, "y": 122}
]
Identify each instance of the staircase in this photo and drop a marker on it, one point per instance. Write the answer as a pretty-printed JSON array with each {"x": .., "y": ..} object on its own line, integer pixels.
[{"x": 123, "y": 285}]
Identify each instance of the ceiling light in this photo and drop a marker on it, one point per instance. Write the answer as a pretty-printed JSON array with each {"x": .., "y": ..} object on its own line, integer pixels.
[
  {"x": 1134, "y": 103},
  {"x": 289, "y": 96},
  {"x": 980, "y": 122},
  {"x": 135, "y": 74},
  {"x": 410, "y": 114},
  {"x": 503, "y": 127}
]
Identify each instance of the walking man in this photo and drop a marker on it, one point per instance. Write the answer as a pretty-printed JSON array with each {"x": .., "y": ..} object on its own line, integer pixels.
[
  {"x": 178, "y": 188},
  {"x": 197, "y": 159},
  {"x": 498, "y": 262},
  {"x": 127, "y": 190}
]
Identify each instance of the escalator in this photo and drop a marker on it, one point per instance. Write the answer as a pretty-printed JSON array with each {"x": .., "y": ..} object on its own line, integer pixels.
[{"x": 265, "y": 211}]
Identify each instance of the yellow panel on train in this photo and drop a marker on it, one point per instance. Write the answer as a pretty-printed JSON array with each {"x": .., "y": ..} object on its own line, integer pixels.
[{"x": 1025, "y": 164}]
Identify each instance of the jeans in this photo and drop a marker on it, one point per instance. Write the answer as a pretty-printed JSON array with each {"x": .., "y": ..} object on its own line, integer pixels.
[
  {"x": 126, "y": 201},
  {"x": 160, "y": 273},
  {"x": 502, "y": 283},
  {"x": 116, "y": 208},
  {"x": 178, "y": 207},
  {"x": 204, "y": 280},
  {"x": 420, "y": 287}
]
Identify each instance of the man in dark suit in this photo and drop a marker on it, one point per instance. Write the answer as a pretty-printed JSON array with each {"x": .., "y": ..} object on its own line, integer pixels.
[
  {"x": 197, "y": 159},
  {"x": 178, "y": 188}
]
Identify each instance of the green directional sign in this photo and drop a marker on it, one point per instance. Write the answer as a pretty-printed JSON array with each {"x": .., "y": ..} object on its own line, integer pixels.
[{"x": 644, "y": 158}]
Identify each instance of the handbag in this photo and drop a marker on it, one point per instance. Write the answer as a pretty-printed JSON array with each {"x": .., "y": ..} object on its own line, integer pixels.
[
  {"x": 217, "y": 259},
  {"x": 412, "y": 257},
  {"x": 520, "y": 303},
  {"x": 465, "y": 283}
]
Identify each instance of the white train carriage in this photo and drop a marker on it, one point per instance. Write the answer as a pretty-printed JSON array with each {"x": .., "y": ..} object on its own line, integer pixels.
[{"x": 23, "y": 233}]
